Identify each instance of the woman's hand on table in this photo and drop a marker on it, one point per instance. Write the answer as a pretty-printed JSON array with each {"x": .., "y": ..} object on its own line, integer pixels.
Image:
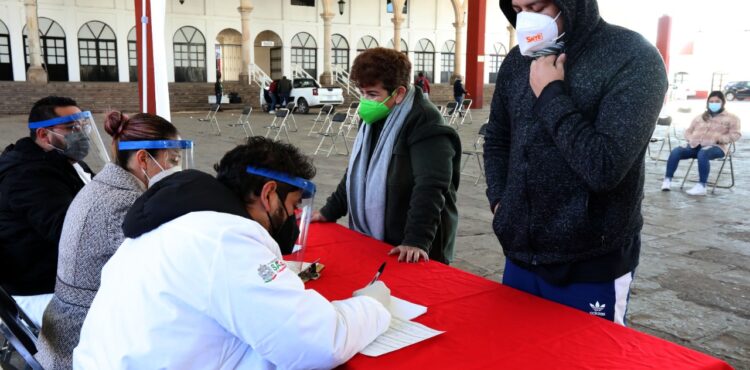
[{"x": 409, "y": 254}]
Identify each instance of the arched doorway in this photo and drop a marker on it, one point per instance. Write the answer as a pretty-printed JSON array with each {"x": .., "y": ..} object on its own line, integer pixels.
[
  {"x": 6, "y": 63},
  {"x": 189, "y": 55},
  {"x": 366, "y": 42},
  {"x": 54, "y": 55},
  {"x": 499, "y": 51},
  {"x": 447, "y": 61},
  {"x": 268, "y": 54},
  {"x": 132, "y": 56},
  {"x": 229, "y": 54},
  {"x": 305, "y": 53},
  {"x": 340, "y": 48},
  {"x": 424, "y": 59},
  {"x": 97, "y": 52}
]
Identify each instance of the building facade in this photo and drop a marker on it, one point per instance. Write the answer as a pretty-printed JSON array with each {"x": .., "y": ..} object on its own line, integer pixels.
[{"x": 94, "y": 40}]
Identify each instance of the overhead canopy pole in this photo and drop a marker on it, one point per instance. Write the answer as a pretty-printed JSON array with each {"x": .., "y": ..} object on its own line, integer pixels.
[{"x": 153, "y": 90}]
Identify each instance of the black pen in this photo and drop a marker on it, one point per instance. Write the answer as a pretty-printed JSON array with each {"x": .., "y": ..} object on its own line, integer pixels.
[{"x": 377, "y": 274}]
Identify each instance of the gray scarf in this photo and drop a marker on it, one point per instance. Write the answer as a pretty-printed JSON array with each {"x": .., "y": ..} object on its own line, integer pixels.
[{"x": 366, "y": 183}]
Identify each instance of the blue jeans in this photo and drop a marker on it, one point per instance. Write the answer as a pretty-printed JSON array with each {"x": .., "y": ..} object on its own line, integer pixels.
[
  {"x": 273, "y": 102},
  {"x": 218, "y": 98},
  {"x": 704, "y": 156},
  {"x": 284, "y": 99}
]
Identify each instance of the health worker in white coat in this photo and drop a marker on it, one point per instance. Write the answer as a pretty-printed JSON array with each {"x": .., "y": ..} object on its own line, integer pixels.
[{"x": 200, "y": 283}]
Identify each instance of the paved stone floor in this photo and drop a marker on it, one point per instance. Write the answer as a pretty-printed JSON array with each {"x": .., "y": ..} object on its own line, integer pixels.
[{"x": 693, "y": 283}]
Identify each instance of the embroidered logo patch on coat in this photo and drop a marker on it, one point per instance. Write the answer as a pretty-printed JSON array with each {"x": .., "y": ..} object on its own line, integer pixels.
[{"x": 268, "y": 271}]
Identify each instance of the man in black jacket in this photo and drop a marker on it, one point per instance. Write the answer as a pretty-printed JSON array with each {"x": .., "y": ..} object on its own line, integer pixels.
[
  {"x": 38, "y": 180},
  {"x": 574, "y": 107},
  {"x": 284, "y": 89},
  {"x": 401, "y": 183}
]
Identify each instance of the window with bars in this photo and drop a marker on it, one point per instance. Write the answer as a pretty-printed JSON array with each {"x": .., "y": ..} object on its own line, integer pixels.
[
  {"x": 305, "y": 53},
  {"x": 496, "y": 59},
  {"x": 366, "y": 42},
  {"x": 52, "y": 44},
  {"x": 97, "y": 52},
  {"x": 447, "y": 66},
  {"x": 189, "y": 47},
  {"x": 424, "y": 59},
  {"x": 4, "y": 49},
  {"x": 6, "y": 64},
  {"x": 132, "y": 56},
  {"x": 340, "y": 48},
  {"x": 389, "y": 6}
]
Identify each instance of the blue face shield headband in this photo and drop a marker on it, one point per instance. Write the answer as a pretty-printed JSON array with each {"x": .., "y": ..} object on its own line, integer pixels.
[
  {"x": 61, "y": 120},
  {"x": 296, "y": 257},
  {"x": 307, "y": 186},
  {"x": 185, "y": 148}
]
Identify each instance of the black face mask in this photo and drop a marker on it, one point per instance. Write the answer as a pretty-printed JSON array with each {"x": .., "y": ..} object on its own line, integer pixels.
[{"x": 286, "y": 234}]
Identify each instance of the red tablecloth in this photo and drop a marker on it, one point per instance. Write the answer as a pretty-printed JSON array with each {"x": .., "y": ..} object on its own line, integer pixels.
[{"x": 487, "y": 325}]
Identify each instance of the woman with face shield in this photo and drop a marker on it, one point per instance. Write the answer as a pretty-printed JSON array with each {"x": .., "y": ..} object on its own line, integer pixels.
[{"x": 145, "y": 148}]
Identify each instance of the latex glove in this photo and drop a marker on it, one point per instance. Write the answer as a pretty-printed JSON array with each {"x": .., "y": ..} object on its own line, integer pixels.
[
  {"x": 378, "y": 291},
  {"x": 409, "y": 254}
]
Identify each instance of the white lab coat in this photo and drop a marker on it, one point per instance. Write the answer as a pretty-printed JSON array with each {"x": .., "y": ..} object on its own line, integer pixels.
[{"x": 189, "y": 295}]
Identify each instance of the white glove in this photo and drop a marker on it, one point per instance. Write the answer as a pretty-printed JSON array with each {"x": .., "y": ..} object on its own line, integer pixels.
[{"x": 378, "y": 291}]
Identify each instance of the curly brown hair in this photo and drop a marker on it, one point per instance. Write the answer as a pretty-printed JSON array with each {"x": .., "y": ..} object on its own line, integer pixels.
[{"x": 387, "y": 66}]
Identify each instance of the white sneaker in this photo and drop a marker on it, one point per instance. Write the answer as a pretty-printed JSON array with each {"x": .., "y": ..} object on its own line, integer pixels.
[
  {"x": 666, "y": 185},
  {"x": 271, "y": 112},
  {"x": 698, "y": 189}
]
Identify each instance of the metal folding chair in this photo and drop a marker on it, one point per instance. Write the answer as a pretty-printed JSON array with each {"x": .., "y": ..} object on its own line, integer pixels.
[
  {"x": 465, "y": 111},
  {"x": 244, "y": 122},
  {"x": 663, "y": 124},
  {"x": 478, "y": 152},
  {"x": 19, "y": 332},
  {"x": 291, "y": 107},
  {"x": 210, "y": 118},
  {"x": 323, "y": 116},
  {"x": 715, "y": 184},
  {"x": 352, "y": 115},
  {"x": 279, "y": 124},
  {"x": 332, "y": 133},
  {"x": 450, "y": 113}
]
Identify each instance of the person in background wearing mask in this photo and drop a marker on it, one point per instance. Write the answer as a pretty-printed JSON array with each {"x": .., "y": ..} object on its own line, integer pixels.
[
  {"x": 200, "y": 283},
  {"x": 39, "y": 177},
  {"x": 575, "y": 106},
  {"x": 708, "y": 136},
  {"x": 92, "y": 231},
  {"x": 403, "y": 174}
]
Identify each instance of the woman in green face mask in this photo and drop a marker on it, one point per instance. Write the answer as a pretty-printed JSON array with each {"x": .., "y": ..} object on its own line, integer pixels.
[{"x": 400, "y": 185}]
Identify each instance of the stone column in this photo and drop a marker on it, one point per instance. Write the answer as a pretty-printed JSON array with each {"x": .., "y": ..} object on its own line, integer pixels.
[
  {"x": 459, "y": 9},
  {"x": 245, "y": 9},
  {"x": 326, "y": 79},
  {"x": 35, "y": 74},
  {"x": 398, "y": 19},
  {"x": 459, "y": 49}
]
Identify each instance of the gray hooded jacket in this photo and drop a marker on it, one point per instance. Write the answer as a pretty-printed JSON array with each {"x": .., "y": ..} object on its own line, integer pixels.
[{"x": 567, "y": 168}]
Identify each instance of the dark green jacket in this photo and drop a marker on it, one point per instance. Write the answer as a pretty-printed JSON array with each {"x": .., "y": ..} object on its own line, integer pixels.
[{"x": 423, "y": 178}]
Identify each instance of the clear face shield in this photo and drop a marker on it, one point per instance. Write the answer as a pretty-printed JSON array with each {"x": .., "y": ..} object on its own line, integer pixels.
[
  {"x": 303, "y": 212},
  {"x": 172, "y": 155},
  {"x": 76, "y": 137}
]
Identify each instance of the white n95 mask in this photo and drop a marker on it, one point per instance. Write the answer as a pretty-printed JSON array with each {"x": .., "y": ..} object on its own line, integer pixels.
[{"x": 536, "y": 32}]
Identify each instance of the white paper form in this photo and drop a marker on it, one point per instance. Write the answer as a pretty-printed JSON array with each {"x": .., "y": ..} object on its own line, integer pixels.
[
  {"x": 400, "y": 334},
  {"x": 406, "y": 310}
]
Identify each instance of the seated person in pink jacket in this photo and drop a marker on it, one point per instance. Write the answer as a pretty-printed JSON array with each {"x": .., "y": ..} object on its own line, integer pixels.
[{"x": 708, "y": 136}]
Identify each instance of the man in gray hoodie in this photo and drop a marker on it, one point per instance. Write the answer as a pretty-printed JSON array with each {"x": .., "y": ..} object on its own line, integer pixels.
[{"x": 574, "y": 107}]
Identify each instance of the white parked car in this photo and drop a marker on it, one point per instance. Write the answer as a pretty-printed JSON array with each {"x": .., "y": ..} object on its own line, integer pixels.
[{"x": 307, "y": 93}]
